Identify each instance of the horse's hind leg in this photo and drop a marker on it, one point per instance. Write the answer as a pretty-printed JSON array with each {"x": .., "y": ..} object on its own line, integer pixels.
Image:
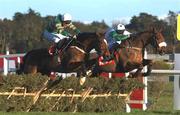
[{"x": 82, "y": 73}]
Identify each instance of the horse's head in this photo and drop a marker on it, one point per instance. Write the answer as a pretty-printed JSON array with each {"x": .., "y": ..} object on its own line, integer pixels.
[
  {"x": 102, "y": 46},
  {"x": 93, "y": 40},
  {"x": 158, "y": 41}
]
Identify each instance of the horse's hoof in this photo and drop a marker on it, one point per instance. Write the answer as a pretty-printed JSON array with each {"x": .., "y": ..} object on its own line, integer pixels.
[
  {"x": 130, "y": 76},
  {"x": 89, "y": 73},
  {"x": 82, "y": 80}
]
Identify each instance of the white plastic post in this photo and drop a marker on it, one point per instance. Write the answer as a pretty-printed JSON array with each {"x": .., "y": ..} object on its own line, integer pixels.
[
  {"x": 110, "y": 75},
  {"x": 6, "y": 65},
  {"x": 177, "y": 83},
  {"x": 145, "y": 83},
  {"x": 18, "y": 60},
  {"x": 128, "y": 108}
]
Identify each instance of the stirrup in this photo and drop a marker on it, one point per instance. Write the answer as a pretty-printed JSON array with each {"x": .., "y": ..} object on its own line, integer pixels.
[{"x": 50, "y": 52}]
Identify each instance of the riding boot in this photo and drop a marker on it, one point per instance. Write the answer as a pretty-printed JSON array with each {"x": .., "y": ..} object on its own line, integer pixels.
[
  {"x": 114, "y": 47},
  {"x": 106, "y": 58}
]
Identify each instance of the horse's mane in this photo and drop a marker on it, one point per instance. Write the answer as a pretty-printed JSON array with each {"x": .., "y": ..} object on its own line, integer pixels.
[
  {"x": 87, "y": 35},
  {"x": 137, "y": 35},
  {"x": 146, "y": 31}
]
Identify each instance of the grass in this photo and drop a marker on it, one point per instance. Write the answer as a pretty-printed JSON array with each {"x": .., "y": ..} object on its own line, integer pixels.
[
  {"x": 136, "y": 112},
  {"x": 165, "y": 100},
  {"x": 160, "y": 106}
]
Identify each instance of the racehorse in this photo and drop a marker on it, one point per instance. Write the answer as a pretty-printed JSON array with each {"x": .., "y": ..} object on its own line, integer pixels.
[
  {"x": 73, "y": 57},
  {"x": 129, "y": 54}
]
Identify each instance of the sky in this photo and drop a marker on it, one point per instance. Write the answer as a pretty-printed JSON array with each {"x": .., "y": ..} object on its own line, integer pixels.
[{"x": 91, "y": 10}]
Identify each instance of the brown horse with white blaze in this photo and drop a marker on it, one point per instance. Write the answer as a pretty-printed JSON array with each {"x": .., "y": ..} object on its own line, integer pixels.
[{"x": 129, "y": 55}]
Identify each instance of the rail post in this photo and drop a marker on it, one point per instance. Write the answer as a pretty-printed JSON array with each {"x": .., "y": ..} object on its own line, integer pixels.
[
  {"x": 6, "y": 64},
  {"x": 145, "y": 83},
  {"x": 177, "y": 83}
]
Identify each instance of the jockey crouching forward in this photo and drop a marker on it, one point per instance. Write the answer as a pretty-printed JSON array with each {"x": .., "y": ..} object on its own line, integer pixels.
[
  {"x": 115, "y": 35},
  {"x": 56, "y": 31}
]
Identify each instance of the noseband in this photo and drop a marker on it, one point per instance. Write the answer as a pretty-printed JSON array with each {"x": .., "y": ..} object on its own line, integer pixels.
[{"x": 155, "y": 42}]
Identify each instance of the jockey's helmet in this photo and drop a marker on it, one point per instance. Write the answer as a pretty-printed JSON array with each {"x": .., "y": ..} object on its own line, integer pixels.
[
  {"x": 120, "y": 27},
  {"x": 66, "y": 17}
]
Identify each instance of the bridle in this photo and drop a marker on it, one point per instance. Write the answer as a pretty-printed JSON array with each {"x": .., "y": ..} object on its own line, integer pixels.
[{"x": 155, "y": 42}]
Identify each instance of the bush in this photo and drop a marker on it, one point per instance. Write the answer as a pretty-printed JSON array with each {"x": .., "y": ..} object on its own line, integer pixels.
[
  {"x": 161, "y": 65},
  {"x": 33, "y": 83}
]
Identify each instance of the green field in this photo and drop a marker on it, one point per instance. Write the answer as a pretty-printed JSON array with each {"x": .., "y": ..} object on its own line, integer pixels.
[
  {"x": 160, "y": 103},
  {"x": 116, "y": 113}
]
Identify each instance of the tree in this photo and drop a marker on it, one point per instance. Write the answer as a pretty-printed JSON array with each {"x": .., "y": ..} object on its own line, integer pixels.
[
  {"x": 27, "y": 31},
  {"x": 6, "y": 34},
  {"x": 142, "y": 22},
  {"x": 23, "y": 32}
]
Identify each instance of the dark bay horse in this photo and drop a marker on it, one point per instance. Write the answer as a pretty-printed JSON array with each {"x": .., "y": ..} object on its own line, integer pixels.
[
  {"x": 129, "y": 55},
  {"x": 73, "y": 58}
]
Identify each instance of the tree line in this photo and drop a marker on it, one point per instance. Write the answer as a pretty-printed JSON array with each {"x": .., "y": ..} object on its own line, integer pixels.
[{"x": 24, "y": 32}]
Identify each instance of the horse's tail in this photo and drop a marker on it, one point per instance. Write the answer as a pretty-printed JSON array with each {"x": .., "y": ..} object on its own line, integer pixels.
[{"x": 20, "y": 69}]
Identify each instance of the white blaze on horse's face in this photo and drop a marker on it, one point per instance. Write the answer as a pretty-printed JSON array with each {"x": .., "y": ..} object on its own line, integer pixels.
[{"x": 162, "y": 44}]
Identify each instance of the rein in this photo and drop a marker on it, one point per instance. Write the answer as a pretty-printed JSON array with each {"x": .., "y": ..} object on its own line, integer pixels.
[
  {"x": 136, "y": 48},
  {"x": 67, "y": 45}
]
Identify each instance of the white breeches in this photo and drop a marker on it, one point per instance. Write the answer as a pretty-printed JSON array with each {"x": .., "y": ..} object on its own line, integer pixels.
[{"x": 53, "y": 37}]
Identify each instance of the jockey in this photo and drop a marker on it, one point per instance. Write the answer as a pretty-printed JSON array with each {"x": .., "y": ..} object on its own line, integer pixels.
[
  {"x": 114, "y": 36},
  {"x": 56, "y": 31}
]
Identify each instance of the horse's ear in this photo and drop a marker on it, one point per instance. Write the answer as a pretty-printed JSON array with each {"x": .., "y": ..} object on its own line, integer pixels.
[{"x": 153, "y": 29}]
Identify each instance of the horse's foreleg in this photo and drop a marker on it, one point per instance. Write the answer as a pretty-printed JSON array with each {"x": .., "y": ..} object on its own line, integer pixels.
[
  {"x": 138, "y": 72},
  {"x": 149, "y": 66}
]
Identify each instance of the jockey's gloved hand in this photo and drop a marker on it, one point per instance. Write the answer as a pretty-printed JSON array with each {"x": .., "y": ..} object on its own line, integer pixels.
[
  {"x": 74, "y": 37},
  {"x": 70, "y": 36}
]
